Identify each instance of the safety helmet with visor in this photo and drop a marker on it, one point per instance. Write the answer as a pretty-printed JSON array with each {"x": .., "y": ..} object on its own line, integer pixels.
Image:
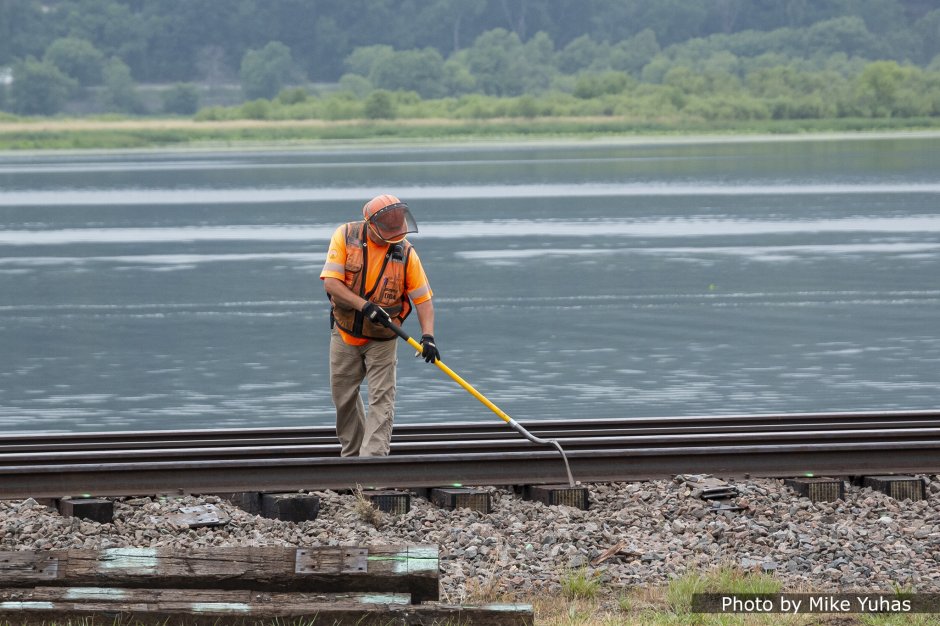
[{"x": 389, "y": 218}]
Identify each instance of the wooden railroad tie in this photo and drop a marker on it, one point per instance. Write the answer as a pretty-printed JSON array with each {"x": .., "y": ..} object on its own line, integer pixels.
[
  {"x": 108, "y": 606},
  {"x": 98, "y": 510},
  {"x": 341, "y": 585},
  {"x": 290, "y": 507},
  {"x": 478, "y": 500},
  {"x": 818, "y": 489},
  {"x": 397, "y": 569},
  {"x": 897, "y": 487},
  {"x": 287, "y": 507},
  {"x": 567, "y": 495},
  {"x": 391, "y": 501}
]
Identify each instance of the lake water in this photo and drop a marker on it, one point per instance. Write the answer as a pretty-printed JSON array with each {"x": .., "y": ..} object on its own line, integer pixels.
[{"x": 180, "y": 290}]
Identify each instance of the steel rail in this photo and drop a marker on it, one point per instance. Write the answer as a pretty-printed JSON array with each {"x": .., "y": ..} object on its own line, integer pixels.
[
  {"x": 467, "y": 446},
  {"x": 212, "y": 461},
  {"x": 486, "y": 468},
  {"x": 199, "y": 438}
]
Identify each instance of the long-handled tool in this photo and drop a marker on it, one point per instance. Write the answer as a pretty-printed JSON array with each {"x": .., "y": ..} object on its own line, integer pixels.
[{"x": 495, "y": 409}]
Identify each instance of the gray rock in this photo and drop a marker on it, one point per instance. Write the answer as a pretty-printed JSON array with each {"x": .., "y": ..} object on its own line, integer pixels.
[{"x": 525, "y": 547}]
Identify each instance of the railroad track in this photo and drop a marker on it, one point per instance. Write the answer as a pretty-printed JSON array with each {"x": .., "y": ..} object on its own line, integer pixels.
[{"x": 469, "y": 453}]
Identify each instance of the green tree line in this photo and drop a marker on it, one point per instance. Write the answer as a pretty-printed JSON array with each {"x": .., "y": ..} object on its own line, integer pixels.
[{"x": 711, "y": 59}]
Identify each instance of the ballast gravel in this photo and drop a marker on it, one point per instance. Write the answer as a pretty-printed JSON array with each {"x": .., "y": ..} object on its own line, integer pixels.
[{"x": 651, "y": 532}]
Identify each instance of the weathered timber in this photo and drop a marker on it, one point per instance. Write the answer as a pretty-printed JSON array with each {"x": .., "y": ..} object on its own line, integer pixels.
[
  {"x": 389, "y": 500},
  {"x": 99, "y": 510},
  {"x": 28, "y": 568},
  {"x": 112, "y": 605},
  {"x": 897, "y": 487},
  {"x": 455, "y": 498},
  {"x": 248, "y": 501},
  {"x": 818, "y": 489},
  {"x": 397, "y": 569},
  {"x": 290, "y": 507},
  {"x": 558, "y": 494}
]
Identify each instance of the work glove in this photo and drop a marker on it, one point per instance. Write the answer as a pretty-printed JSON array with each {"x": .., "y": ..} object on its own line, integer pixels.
[
  {"x": 429, "y": 350},
  {"x": 376, "y": 314}
]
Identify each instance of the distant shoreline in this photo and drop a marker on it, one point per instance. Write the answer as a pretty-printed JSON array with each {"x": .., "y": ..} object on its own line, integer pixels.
[{"x": 176, "y": 134}]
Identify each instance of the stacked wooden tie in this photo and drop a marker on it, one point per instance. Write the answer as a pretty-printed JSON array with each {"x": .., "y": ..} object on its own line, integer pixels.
[{"x": 329, "y": 585}]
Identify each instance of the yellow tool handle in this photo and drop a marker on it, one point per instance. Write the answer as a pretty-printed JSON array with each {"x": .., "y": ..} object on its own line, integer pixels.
[
  {"x": 460, "y": 381},
  {"x": 492, "y": 407}
]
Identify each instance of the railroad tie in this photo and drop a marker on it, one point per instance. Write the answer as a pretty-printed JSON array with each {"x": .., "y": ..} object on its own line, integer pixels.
[
  {"x": 336, "y": 584},
  {"x": 897, "y": 487},
  {"x": 818, "y": 489}
]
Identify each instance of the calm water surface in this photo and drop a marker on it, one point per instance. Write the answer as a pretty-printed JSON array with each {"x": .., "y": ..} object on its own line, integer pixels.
[{"x": 180, "y": 290}]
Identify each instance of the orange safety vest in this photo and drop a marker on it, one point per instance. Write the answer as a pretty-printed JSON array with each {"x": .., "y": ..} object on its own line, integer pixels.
[{"x": 388, "y": 291}]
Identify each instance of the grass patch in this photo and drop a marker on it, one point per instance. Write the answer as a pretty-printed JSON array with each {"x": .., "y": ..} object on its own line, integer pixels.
[
  {"x": 367, "y": 511},
  {"x": 79, "y": 134},
  {"x": 670, "y": 605},
  {"x": 724, "y": 580},
  {"x": 580, "y": 584}
]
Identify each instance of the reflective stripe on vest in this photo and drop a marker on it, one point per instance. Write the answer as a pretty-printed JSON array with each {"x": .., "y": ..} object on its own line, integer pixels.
[{"x": 388, "y": 291}]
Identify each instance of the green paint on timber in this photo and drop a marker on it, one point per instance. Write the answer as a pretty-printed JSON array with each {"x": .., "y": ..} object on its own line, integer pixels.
[
  {"x": 94, "y": 593},
  {"x": 131, "y": 560},
  {"x": 210, "y": 607},
  {"x": 417, "y": 559},
  {"x": 386, "y": 598},
  {"x": 23, "y": 606}
]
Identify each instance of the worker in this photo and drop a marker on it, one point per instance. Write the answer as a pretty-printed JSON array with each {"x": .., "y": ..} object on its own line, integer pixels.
[{"x": 374, "y": 278}]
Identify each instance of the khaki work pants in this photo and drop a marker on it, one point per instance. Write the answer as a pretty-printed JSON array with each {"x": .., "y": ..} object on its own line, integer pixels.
[{"x": 359, "y": 432}]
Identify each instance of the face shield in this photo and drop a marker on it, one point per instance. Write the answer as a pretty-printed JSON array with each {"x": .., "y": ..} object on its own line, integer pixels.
[{"x": 392, "y": 223}]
